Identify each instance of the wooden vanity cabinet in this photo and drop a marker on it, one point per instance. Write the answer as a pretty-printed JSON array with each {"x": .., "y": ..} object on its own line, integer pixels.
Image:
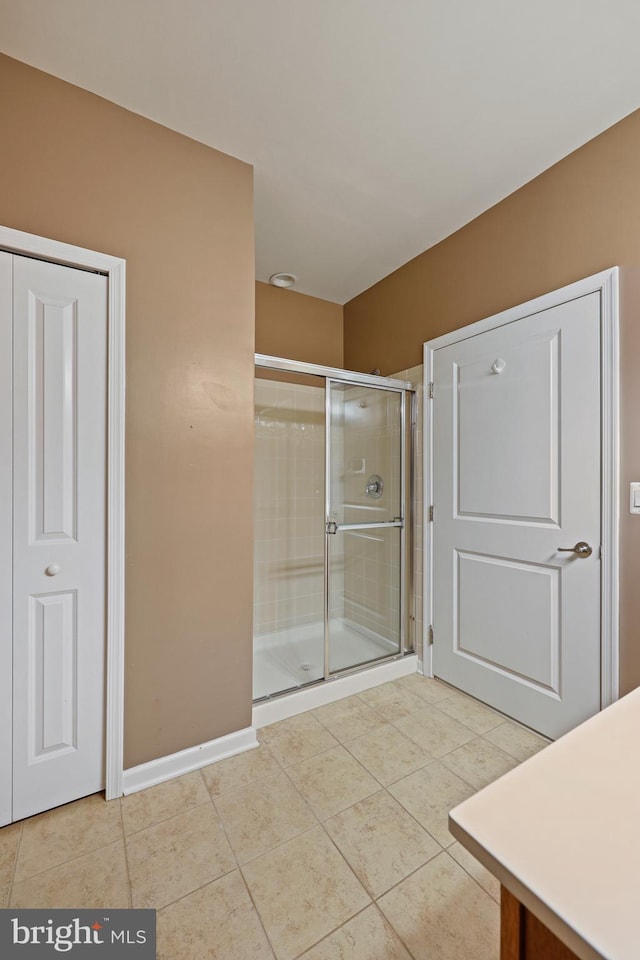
[{"x": 524, "y": 937}]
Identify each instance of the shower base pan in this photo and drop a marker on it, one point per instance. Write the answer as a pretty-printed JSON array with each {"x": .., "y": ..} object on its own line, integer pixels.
[{"x": 291, "y": 658}]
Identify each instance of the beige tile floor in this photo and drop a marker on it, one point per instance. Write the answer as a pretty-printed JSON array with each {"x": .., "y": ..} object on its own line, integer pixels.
[{"x": 328, "y": 842}]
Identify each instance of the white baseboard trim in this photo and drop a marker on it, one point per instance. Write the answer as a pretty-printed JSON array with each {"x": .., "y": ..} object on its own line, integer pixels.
[
  {"x": 290, "y": 705},
  {"x": 176, "y": 764}
]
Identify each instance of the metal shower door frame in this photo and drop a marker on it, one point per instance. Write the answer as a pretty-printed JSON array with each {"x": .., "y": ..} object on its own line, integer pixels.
[
  {"x": 334, "y": 375},
  {"x": 400, "y": 524}
]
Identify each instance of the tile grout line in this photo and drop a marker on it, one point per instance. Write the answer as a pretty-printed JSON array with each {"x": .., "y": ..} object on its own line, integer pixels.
[
  {"x": 126, "y": 855},
  {"x": 228, "y": 838},
  {"x": 304, "y": 800},
  {"x": 173, "y": 816},
  {"x": 61, "y": 863},
  {"x": 312, "y": 756},
  {"x": 246, "y": 786},
  {"x": 159, "y": 823},
  {"x": 210, "y": 883},
  {"x": 15, "y": 864},
  {"x": 355, "y": 875},
  {"x": 224, "y": 833},
  {"x": 412, "y": 874},
  {"x": 238, "y": 867},
  {"x": 408, "y": 877},
  {"x": 384, "y": 788},
  {"x": 188, "y": 893},
  {"x": 326, "y": 936},
  {"x": 366, "y": 769},
  {"x": 355, "y": 801},
  {"x": 476, "y": 736},
  {"x": 370, "y": 772},
  {"x": 386, "y": 920},
  {"x": 283, "y": 842},
  {"x": 355, "y": 696},
  {"x": 257, "y": 912},
  {"x": 373, "y": 897},
  {"x": 421, "y": 825},
  {"x": 462, "y": 867},
  {"x": 246, "y": 883},
  {"x": 319, "y": 823},
  {"x": 324, "y": 749},
  {"x": 64, "y": 863}
]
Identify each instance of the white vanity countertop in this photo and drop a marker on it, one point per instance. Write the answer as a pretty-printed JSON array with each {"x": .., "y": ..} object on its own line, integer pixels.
[{"x": 562, "y": 833}]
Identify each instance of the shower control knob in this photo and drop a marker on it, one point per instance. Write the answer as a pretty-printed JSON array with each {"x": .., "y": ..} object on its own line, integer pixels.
[{"x": 375, "y": 486}]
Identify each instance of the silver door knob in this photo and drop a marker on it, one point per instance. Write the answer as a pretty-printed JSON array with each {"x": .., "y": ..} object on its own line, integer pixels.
[
  {"x": 582, "y": 549},
  {"x": 53, "y": 569}
]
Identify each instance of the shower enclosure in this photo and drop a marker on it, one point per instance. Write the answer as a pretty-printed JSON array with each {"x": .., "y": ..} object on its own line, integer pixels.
[{"x": 332, "y": 571}]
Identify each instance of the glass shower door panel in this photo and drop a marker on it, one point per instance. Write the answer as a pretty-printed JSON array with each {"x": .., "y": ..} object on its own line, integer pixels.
[
  {"x": 289, "y": 595},
  {"x": 364, "y": 524},
  {"x": 364, "y": 596},
  {"x": 365, "y": 454}
]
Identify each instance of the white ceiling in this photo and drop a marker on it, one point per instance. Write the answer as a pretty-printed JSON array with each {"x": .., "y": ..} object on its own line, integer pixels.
[{"x": 376, "y": 127}]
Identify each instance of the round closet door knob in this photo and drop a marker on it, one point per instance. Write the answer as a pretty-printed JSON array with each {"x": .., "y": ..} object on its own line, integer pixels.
[{"x": 53, "y": 569}]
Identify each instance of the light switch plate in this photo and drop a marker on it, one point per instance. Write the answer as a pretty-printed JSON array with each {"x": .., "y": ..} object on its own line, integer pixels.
[{"x": 634, "y": 497}]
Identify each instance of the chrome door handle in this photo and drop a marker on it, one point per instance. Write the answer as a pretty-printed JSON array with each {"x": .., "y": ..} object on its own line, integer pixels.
[{"x": 582, "y": 549}]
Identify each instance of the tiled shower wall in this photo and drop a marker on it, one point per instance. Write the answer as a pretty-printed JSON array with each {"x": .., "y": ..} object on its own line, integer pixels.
[{"x": 289, "y": 505}]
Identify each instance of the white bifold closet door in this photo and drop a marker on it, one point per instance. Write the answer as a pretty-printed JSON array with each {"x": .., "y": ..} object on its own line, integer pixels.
[{"x": 53, "y": 326}]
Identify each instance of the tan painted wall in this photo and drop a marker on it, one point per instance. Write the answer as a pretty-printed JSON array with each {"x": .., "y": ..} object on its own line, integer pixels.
[
  {"x": 579, "y": 217},
  {"x": 298, "y": 327},
  {"x": 82, "y": 170}
]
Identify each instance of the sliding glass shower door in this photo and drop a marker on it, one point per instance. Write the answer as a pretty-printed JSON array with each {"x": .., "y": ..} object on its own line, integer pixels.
[
  {"x": 289, "y": 541},
  {"x": 365, "y": 524},
  {"x": 332, "y": 557}
]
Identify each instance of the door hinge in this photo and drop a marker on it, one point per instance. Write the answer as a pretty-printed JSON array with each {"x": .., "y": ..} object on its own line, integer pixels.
[
  {"x": 430, "y": 636},
  {"x": 431, "y": 390},
  {"x": 431, "y": 513}
]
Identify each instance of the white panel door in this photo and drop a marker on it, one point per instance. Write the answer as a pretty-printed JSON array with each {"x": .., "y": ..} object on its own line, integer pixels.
[
  {"x": 59, "y": 545},
  {"x": 6, "y": 521},
  {"x": 517, "y": 474}
]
